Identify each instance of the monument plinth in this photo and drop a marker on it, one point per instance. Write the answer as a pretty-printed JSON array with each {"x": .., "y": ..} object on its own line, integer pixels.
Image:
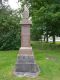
[{"x": 26, "y": 65}]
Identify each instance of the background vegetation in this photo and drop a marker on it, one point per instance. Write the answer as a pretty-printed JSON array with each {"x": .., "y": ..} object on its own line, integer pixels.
[
  {"x": 9, "y": 29},
  {"x": 45, "y": 21}
]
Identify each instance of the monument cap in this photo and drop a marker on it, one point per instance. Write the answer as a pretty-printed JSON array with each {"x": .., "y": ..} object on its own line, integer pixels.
[{"x": 25, "y": 19}]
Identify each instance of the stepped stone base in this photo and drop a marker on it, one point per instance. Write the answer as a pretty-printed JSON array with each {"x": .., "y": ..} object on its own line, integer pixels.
[{"x": 26, "y": 65}]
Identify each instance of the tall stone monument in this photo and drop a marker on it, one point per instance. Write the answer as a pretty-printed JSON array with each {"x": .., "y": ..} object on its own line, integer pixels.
[{"x": 26, "y": 65}]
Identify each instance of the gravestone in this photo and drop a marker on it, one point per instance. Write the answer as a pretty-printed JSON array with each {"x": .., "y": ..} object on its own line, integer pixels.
[{"x": 25, "y": 65}]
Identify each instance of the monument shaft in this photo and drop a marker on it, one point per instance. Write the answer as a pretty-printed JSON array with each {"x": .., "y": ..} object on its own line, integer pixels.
[{"x": 25, "y": 35}]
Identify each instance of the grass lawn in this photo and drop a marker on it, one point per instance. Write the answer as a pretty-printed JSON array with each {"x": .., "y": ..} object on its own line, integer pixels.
[{"x": 47, "y": 56}]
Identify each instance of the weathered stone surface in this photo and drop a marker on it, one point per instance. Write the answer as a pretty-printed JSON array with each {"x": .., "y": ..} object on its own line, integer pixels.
[
  {"x": 26, "y": 66},
  {"x": 26, "y": 74},
  {"x": 26, "y": 12},
  {"x": 22, "y": 67},
  {"x": 25, "y": 36},
  {"x": 26, "y": 51},
  {"x": 25, "y": 59},
  {"x": 25, "y": 21}
]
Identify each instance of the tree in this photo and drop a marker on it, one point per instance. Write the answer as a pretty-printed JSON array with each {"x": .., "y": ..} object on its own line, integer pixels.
[
  {"x": 9, "y": 29},
  {"x": 44, "y": 16},
  {"x": 0, "y": 1}
]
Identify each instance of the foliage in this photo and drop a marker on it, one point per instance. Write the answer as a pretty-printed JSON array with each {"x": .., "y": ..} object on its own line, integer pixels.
[
  {"x": 9, "y": 29},
  {"x": 46, "y": 17}
]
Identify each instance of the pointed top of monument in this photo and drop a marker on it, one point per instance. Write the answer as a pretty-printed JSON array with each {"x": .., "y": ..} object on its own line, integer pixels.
[
  {"x": 25, "y": 12},
  {"x": 26, "y": 8},
  {"x": 25, "y": 16}
]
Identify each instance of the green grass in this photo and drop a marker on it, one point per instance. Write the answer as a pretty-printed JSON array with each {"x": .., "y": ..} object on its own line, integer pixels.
[{"x": 47, "y": 56}]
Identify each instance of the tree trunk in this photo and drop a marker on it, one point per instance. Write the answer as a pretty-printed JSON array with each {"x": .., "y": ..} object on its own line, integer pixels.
[
  {"x": 47, "y": 38},
  {"x": 44, "y": 38},
  {"x": 0, "y": 1},
  {"x": 53, "y": 38}
]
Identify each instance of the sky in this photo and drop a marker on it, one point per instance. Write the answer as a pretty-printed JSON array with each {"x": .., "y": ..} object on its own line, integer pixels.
[{"x": 13, "y": 4}]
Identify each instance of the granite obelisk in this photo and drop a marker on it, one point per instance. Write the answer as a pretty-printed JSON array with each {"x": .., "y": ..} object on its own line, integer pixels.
[{"x": 26, "y": 65}]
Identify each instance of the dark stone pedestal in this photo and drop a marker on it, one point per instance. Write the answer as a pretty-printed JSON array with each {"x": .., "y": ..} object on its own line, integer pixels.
[{"x": 26, "y": 66}]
